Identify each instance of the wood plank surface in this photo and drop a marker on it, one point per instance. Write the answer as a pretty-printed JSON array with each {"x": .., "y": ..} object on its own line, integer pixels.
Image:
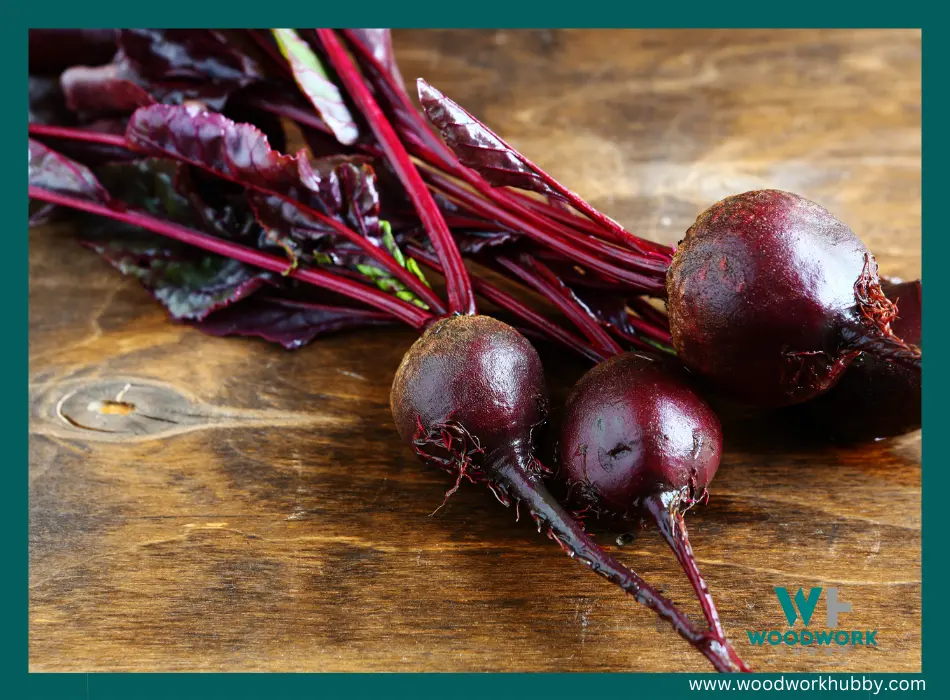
[{"x": 257, "y": 512}]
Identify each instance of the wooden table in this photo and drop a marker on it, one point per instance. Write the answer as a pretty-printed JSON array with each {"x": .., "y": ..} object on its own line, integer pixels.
[{"x": 265, "y": 517}]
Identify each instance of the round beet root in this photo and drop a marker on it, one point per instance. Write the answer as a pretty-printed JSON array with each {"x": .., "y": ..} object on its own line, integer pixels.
[
  {"x": 636, "y": 441},
  {"x": 875, "y": 399},
  {"x": 632, "y": 428},
  {"x": 771, "y": 297},
  {"x": 469, "y": 392}
]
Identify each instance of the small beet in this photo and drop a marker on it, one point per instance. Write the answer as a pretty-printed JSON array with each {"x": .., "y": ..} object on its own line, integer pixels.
[
  {"x": 637, "y": 441},
  {"x": 771, "y": 297},
  {"x": 467, "y": 396},
  {"x": 875, "y": 399}
]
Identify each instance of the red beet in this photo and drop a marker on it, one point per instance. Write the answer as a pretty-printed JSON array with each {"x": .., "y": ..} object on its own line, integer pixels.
[
  {"x": 636, "y": 440},
  {"x": 875, "y": 399},
  {"x": 467, "y": 396},
  {"x": 771, "y": 297}
]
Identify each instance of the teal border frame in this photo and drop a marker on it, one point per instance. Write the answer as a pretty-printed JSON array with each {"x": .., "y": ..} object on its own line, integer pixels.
[{"x": 18, "y": 16}]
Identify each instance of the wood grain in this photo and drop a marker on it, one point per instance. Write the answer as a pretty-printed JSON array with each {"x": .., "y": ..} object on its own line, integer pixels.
[{"x": 256, "y": 511}]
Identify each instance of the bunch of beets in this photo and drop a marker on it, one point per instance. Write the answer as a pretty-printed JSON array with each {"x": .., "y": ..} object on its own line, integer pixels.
[{"x": 168, "y": 149}]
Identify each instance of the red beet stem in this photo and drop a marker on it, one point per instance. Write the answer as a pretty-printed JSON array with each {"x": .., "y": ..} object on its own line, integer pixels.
[
  {"x": 412, "y": 315},
  {"x": 672, "y": 526},
  {"x": 428, "y": 146},
  {"x": 542, "y": 280},
  {"x": 459, "y": 287},
  {"x": 65, "y": 132},
  {"x": 503, "y": 300},
  {"x": 584, "y": 225},
  {"x": 649, "y": 330},
  {"x": 514, "y": 481},
  {"x": 652, "y": 284}
]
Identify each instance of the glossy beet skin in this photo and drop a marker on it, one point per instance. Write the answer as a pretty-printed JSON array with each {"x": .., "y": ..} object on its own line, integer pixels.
[
  {"x": 632, "y": 428},
  {"x": 637, "y": 442},
  {"x": 467, "y": 396},
  {"x": 478, "y": 381},
  {"x": 875, "y": 399},
  {"x": 771, "y": 297}
]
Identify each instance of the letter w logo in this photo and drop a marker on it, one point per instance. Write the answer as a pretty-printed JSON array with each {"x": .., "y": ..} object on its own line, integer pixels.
[{"x": 806, "y": 606}]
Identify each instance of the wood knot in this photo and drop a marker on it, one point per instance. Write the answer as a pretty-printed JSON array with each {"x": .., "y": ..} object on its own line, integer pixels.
[
  {"x": 126, "y": 409},
  {"x": 131, "y": 409}
]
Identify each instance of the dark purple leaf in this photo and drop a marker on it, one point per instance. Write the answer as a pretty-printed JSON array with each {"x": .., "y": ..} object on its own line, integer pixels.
[
  {"x": 340, "y": 188},
  {"x": 194, "y": 55},
  {"x": 51, "y": 51},
  {"x": 477, "y": 146},
  {"x": 348, "y": 193},
  {"x": 291, "y": 324},
  {"x": 236, "y": 152},
  {"x": 312, "y": 79},
  {"x": 109, "y": 89},
  {"x": 168, "y": 66},
  {"x": 53, "y": 171},
  {"x": 188, "y": 282},
  {"x": 190, "y": 285},
  {"x": 226, "y": 213}
]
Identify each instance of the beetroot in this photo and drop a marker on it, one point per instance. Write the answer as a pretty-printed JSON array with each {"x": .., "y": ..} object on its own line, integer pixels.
[
  {"x": 874, "y": 399},
  {"x": 637, "y": 441},
  {"x": 467, "y": 396},
  {"x": 771, "y": 297}
]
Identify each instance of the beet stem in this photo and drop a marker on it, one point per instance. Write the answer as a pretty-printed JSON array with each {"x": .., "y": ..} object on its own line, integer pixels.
[
  {"x": 655, "y": 259},
  {"x": 410, "y": 314},
  {"x": 672, "y": 526},
  {"x": 518, "y": 483},
  {"x": 653, "y": 284},
  {"x": 459, "y": 286},
  {"x": 435, "y": 152},
  {"x": 502, "y": 299},
  {"x": 89, "y": 136},
  {"x": 540, "y": 278}
]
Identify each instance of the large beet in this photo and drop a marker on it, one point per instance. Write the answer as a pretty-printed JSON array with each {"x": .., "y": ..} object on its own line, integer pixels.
[{"x": 771, "y": 297}]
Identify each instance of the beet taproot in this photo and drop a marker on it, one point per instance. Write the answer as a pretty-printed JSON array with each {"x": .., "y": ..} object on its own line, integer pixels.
[{"x": 637, "y": 442}]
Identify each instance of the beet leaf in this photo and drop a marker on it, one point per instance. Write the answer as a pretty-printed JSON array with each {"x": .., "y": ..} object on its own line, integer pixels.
[
  {"x": 190, "y": 284},
  {"x": 288, "y": 322},
  {"x": 57, "y": 173},
  {"x": 165, "y": 56},
  {"x": 312, "y": 79},
  {"x": 477, "y": 146}
]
